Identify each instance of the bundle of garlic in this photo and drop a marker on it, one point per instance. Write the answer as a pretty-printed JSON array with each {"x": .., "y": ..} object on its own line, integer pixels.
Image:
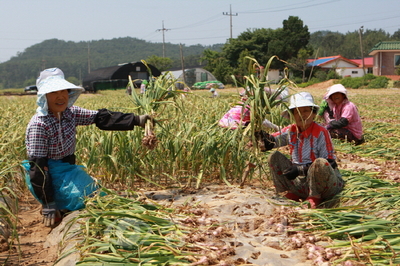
[
  {"x": 159, "y": 91},
  {"x": 263, "y": 101}
]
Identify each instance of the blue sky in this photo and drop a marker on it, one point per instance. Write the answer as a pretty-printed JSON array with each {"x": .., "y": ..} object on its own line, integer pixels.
[{"x": 28, "y": 22}]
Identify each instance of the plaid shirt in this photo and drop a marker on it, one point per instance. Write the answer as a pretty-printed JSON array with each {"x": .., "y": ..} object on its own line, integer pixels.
[
  {"x": 48, "y": 137},
  {"x": 306, "y": 146}
]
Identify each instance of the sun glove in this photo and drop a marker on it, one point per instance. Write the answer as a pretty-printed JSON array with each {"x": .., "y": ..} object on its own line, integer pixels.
[
  {"x": 49, "y": 214},
  {"x": 291, "y": 172},
  {"x": 342, "y": 122},
  {"x": 143, "y": 119},
  {"x": 266, "y": 141},
  {"x": 295, "y": 171}
]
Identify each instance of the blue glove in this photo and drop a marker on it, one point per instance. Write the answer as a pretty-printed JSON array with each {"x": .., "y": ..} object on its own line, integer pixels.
[{"x": 49, "y": 213}]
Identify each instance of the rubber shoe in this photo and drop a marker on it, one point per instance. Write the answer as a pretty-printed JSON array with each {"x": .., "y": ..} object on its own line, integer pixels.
[
  {"x": 360, "y": 141},
  {"x": 292, "y": 196},
  {"x": 314, "y": 202}
]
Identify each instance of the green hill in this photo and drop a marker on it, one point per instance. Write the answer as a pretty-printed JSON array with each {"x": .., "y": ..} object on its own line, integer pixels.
[{"x": 76, "y": 58}]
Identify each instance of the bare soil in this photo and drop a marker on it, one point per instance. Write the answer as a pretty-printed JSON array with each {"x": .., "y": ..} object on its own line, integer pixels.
[{"x": 32, "y": 236}]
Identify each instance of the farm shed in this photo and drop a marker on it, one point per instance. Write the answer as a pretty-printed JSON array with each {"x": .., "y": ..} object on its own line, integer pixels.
[
  {"x": 192, "y": 75},
  {"x": 116, "y": 77},
  {"x": 386, "y": 58}
]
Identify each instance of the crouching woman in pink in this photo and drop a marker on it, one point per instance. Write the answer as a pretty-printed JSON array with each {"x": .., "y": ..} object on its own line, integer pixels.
[
  {"x": 311, "y": 174},
  {"x": 341, "y": 117}
]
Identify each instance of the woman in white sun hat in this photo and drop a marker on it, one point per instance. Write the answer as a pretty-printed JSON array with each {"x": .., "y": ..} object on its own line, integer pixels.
[
  {"x": 311, "y": 174},
  {"x": 52, "y": 176},
  {"x": 341, "y": 116}
]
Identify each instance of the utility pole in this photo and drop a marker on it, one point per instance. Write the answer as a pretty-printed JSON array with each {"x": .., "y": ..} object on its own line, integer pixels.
[
  {"x": 183, "y": 65},
  {"x": 230, "y": 14},
  {"x": 163, "y": 37},
  {"x": 88, "y": 51},
  {"x": 43, "y": 64},
  {"x": 361, "y": 47}
]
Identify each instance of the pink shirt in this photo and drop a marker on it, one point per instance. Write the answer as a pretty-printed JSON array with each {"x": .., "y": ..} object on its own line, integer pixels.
[
  {"x": 234, "y": 117},
  {"x": 349, "y": 111}
]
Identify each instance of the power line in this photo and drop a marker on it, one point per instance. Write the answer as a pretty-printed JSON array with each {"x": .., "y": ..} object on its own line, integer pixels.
[
  {"x": 287, "y": 7},
  {"x": 230, "y": 15}
]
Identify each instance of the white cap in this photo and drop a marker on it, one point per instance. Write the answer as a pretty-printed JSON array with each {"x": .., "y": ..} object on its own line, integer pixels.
[
  {"x": 301, "y": 99},
  {"x": 51, "y": 80}
]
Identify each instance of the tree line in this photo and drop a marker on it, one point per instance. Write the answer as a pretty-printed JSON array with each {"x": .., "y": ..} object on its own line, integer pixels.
[{"x": 293, "y": 44}]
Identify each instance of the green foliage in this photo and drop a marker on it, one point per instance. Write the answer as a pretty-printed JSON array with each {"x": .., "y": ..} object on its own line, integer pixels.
[
  {"x": 320, "y": 75},
  {"x": 353, "y": 83},
  {"x": 161, "y": 63},
  {"x": 222, "y": 72},
  {"x": 309, "y": 83},
  {"x": 368, "y": 77},
  {"x": 74, "y": 80},
  {"x": 218, "y": 65},
  {"x": 327, "y": 43},
  {"x": 30, "y": 82},
  {"x": 300, "y": 63},
  {"x": 379, "y": 82},
  {"x": 262, "y": 44},
  {"x": 332, "y": 74},
  {"x": 367, "y": 81},
  {"x": 396, "y": 84}
]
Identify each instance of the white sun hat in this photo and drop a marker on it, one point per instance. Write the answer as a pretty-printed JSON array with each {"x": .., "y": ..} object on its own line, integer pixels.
[
  {"x": 51, "y": 80},
  {"x": 301, "y": 99},
  {"x": 335, "y": 88}
]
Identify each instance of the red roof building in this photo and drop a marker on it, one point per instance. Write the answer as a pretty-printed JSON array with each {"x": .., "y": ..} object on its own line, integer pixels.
[{"x": 343, "y": 66}]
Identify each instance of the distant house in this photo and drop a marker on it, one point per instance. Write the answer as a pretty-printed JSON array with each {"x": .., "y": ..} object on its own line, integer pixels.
[
  {"x": 368, "y": 63},
  {"x": 116, "y": 77},
  {"x": 273, "y": 75},
  {"x": 192, "y": 76},
  {"x": 386, "y": 58},
  {"x": 344, "y": 67}
]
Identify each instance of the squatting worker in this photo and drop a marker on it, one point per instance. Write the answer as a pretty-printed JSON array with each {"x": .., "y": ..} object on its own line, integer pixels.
[
  {"x": 54, "y": 179},
  {"x": 312, "y": 173},
  {"x": 341, "y": 116}
]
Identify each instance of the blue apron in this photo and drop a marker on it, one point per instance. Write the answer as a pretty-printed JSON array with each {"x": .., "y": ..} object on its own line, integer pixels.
[{"x": 71, "y": 184}]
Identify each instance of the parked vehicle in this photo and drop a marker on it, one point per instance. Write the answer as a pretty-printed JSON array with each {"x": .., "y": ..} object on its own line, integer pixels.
[{"x": 31, "y": 89}]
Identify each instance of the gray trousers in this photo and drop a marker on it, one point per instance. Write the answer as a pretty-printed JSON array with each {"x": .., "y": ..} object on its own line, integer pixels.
[{"x": 321, "y": 181}]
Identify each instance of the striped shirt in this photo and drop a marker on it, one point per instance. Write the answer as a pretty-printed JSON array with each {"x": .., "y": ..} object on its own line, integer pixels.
[
  {"x": 306, "y": 146},
  {"x": 48, "y": 137}
]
